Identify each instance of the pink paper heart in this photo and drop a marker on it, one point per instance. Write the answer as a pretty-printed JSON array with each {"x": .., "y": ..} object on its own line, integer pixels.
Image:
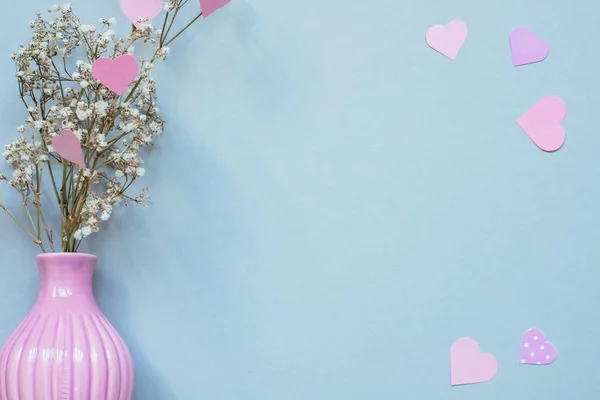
[
  {"x": 134, "y": 9},
  {"x": 542, "y": 123},
  {"x": 449, "y": 39},
  {"x": 535, "y": 350},
  {"x": 210, "y": 6},
  {"x": 469, "y": 365},
  {"x": 526, "y": 48},
  {"x": 68, "y": 147},
  {"x": 116, "y": 74}
]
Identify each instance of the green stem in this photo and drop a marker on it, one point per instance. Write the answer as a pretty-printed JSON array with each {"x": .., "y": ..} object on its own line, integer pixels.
[
  {"x": 171, "y": 23},
  {"x": 183, "y": 30},
  {"x": 37, "y": 239},
  {"x": 3, "y": 206}
]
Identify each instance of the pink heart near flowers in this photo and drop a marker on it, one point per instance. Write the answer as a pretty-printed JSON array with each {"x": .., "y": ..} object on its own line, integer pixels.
[
  {"x": 542, "y": 123},
  {"x": 116, "y": 74},
  {"x": 145, "y": 9},
  {"x": 449, "y": 39},
  {"x": 210, "y": 6},
  {"x": 469, "y": 365},
  {"x": 68, "y": 147}
]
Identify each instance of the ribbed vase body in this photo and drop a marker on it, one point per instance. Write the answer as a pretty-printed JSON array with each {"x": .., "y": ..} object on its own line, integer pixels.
[{"x": 65, "y": 349}]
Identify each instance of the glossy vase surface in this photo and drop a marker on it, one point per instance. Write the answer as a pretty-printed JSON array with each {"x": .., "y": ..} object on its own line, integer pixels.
[{"x": 65, "y": 349}]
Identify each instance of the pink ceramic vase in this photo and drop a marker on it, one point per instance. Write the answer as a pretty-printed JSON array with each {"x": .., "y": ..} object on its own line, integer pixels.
[{"x": 65, "y": 349}]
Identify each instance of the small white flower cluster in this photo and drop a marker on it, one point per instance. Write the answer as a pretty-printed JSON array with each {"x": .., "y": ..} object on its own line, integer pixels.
[
  {"x": 162, "y": 53},
  {"x": 61, "y": 94},
  {"x": 24, "y": 157},
  {"x": 169, "y": 5},
  {"x": 95, "y": 208}
]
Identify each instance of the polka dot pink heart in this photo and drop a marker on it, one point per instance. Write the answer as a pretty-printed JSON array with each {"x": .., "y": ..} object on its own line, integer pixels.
[{"x": 535, "y": 349}]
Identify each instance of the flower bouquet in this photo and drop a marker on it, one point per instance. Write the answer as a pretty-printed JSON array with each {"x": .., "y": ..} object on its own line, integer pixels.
[{"x": 91, "y": 111}]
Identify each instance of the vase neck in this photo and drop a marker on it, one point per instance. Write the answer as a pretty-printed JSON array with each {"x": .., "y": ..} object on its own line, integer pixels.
[{"x": 66, "y": 282}]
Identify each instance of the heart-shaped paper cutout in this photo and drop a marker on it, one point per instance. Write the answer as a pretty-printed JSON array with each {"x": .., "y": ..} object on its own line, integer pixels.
[
  {"x": 116, "y": 74},
  {"x": 210, "y": 6},
  {"x": 469, "y": 365},
  {"x": 135, "y": 9},
  {"x": 68, "y": 147},
  {"x": 449, "y": 39},
  {"x": 542, "y": 123},
  {"x": 535, "y": 350},
  {"x": 526, "y": 48}
]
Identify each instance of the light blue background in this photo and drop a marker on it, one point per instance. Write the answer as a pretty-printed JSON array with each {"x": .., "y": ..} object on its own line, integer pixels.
[{"x": 336, "y": 203}]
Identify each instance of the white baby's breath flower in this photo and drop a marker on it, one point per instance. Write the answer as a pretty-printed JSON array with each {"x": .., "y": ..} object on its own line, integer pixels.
[
  {"x": 78, "y": 235},
  {"x": 86, "y": 231},
  {"x": 64, "y": 112},
  {"x": 162, "y": 53},
  {"x": 104, "y": 216},
  {"x": 119, "y": 173},
  {"x": 21, "y": 129},
  {"x": 155, "y": 127},
  {"x": 140, "y": 171},
  {"x": 101, "y": 107},
  {"x": 129, "y": 127},
  {"x": 169, "y": 5},
  {"x": 108, "y": 35}
]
